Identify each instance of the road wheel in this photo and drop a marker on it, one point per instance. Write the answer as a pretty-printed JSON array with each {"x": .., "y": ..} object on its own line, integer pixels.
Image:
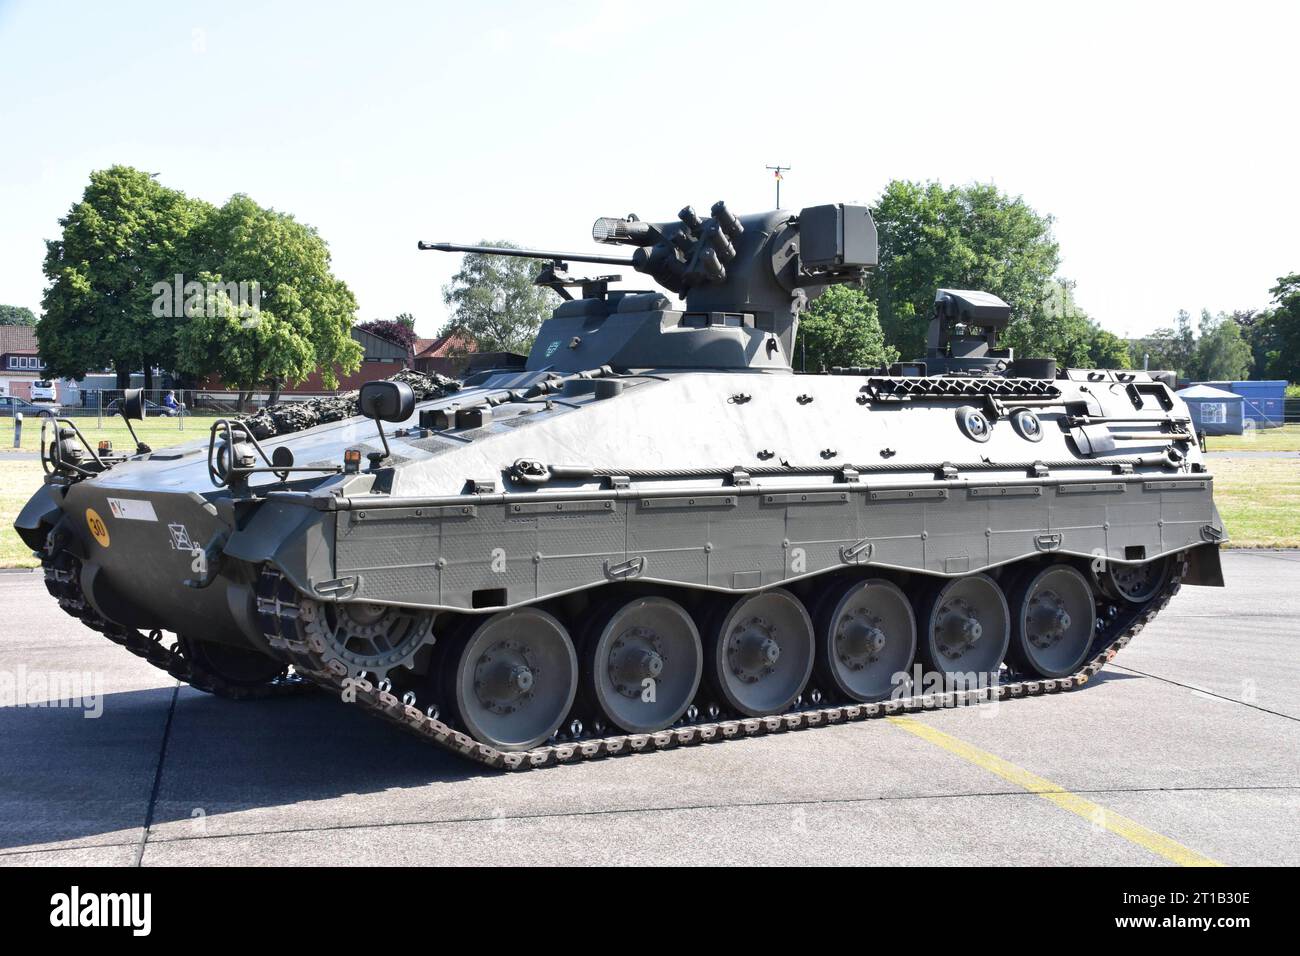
[
  {"x": 642, "y": 664},
  {"x": 761, "y": 653},
  {"x": 866, "y": 634},
  {"x": 1054, "y": 617},
  {"x": 1135, "y": 583},
  {"x": 225, "y": 670},
  {"x": 966, "y": 626},
  {"x": 513, "y": 678}
]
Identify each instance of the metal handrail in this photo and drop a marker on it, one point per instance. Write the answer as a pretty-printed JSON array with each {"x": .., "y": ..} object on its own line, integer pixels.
[
  {"x": 52, "y": 461},
  {"x": 229, "y": 429}
]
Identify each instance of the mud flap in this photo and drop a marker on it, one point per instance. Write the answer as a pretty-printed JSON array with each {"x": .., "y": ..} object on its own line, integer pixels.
[
  {"x": 1204, "y": 567},
  {"x": 38, "y": 517}
]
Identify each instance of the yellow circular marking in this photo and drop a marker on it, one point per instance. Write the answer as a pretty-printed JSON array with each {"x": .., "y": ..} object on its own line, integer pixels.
[{"x": 97, "y": 527}]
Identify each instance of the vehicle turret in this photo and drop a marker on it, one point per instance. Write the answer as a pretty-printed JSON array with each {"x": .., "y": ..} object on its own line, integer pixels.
[{"x": 741, "y": 282}]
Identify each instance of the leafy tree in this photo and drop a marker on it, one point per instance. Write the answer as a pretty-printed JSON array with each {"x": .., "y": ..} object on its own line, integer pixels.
[
  {"x": 130, "y": 236},
  {"x": 400, "y": 330},
  {"x": 494, "y": 302},
  {"x": 1222, "y": 355},
  {"x": 1172, "y": 348},
  {"x": 962, "y": 237},
  {"x": 16, "y": 315},
  {"x": 1108, "y": 350},
  {"x": 1063, "y": 331},
  {"x": 125, "y": 234},
  {"x": 303, "y": 321},
  {"x": 248, "y": 350},
  {"x": 1275, "y": 336},
  {"x": 1252, "y": 323},
  {"x": 841, "y": 329},
  {"x": 1057, "y": 328}
]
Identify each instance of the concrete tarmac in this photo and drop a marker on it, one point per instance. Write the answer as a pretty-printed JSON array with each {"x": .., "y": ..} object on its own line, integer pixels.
[{"x": 1185, "y": 750}]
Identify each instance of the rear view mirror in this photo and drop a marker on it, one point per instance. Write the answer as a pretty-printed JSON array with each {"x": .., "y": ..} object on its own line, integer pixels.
[
  {"x": 387, "y": 401},
  {"x": 132, "y": 407},
  {"x": 133, "y": 404}
]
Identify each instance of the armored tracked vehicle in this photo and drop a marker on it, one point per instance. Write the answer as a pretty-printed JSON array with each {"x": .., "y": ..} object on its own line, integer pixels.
[{"x": 655, "y": 533}]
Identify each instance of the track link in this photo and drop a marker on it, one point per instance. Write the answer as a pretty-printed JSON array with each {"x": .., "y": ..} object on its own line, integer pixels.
[
  {"x": 278, "y": 614},
  {"x": 62, "y": 580}
]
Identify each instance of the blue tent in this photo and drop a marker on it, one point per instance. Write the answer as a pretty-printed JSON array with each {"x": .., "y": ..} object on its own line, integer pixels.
[
  {"x": 1214, "y": 411},
  {"x": 1263, "y": 400}
]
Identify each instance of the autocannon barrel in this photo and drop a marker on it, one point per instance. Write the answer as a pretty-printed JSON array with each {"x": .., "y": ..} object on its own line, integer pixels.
[{"x": 527, "y": 253}]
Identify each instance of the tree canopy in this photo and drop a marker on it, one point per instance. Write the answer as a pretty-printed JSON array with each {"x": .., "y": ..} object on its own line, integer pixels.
[
  {"x": 1274, "y": 335},
  {"x": 16, "y": 315},
  {"x": 493, "y": 301},
  {"x": 125, "y": 234},
  {"x": 958, "y": 237},
  {"x": 841, "y": 329},
  {"x": 1222, "y": 354},
  {"x": 1062, "y": 330},
  {"x": 1168, "y": 347},
  {"x": 127, "y": 240},
  {"x": 400, "y": 330},
  {"x": 1108, "y": 350},
  {"x": 303, "y": 322}
]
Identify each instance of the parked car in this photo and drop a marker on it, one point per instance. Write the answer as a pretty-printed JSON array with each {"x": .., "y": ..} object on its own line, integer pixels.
[
  {"x": 11, "y": 404},
  {"x": 43, "y": 390}
]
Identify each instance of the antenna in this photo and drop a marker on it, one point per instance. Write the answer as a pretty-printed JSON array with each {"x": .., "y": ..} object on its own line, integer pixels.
[{"x": 776, "y": 172}]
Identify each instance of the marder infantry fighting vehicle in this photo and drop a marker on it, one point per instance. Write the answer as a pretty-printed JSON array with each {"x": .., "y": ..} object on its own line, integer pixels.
[{"x": 655, "y": 533}]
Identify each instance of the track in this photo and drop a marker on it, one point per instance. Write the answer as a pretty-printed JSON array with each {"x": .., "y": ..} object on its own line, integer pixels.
[
  {"x": 62, "y": 581},
  {"x": 278, "y": 610}
]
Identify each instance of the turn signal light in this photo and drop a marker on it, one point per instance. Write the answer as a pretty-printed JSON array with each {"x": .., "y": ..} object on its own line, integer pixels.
[{"x": 351, "y": 461}]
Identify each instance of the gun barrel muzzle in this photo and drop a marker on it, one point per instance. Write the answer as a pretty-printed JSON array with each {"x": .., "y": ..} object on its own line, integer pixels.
[{"x": 626, "y": 232}]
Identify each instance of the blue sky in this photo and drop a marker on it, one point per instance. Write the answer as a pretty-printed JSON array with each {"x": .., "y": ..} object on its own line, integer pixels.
[{"x": 1161, "y": 136}]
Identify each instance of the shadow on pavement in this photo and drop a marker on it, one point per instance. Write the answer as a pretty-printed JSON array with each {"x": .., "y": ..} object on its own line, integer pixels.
[
  {"x": 67, "y": 777},
  {"x": 70, "y": 778},
  {"x": 1105, "y": 676}
]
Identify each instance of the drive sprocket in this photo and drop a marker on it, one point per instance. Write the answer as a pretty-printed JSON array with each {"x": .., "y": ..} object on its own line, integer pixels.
[{"x": 368, "y": 638}]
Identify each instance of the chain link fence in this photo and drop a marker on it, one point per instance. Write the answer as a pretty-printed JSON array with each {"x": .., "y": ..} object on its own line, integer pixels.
[
  {"x": 97, "y": 411},
  {"x": 161, "y": 403}
]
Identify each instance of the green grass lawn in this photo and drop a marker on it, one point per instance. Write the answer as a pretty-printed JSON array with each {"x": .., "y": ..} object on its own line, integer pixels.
[
  {"x": 19, "y": 478},
  {"x": 154, "y": 432},
  {"x": 1286, "y": 438},
  {"x": 20, "y": 474},
  {"x": 1259, "y": 499}
]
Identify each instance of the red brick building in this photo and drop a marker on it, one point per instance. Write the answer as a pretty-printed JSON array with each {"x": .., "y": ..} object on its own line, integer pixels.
[
  {"x": 20, "y": 360},
  {"x": 447, "y": 354},
  {"x": 457, "y": 355}
]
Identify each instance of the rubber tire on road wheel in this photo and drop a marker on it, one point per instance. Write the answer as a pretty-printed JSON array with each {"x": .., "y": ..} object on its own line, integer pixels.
[
  {"x": 1039, "y": 592},
  {"x": 982, "y": 596},
  {"x": 882, "y": 607},
  {"x": 511, "y": 679},
  {"x": 646, "y": 624},
  {"x": 773, "y": 634}
]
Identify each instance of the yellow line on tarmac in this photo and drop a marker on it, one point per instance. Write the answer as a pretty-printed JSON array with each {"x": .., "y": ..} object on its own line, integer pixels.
[{"x": 1094, "y": 813}]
